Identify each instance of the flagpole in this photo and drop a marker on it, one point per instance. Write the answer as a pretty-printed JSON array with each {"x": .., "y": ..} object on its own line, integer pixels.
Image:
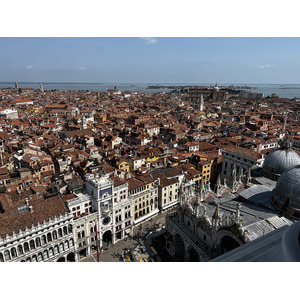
[{"x": 97, "y": 240}]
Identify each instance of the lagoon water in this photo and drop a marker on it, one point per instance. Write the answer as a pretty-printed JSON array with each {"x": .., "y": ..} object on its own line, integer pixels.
[{"x": 282, "y": 90}]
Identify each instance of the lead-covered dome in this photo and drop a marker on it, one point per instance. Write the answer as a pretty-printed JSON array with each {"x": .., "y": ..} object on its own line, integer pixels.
[
  {"x": 280, "y": 160},
  {"x": 287, "y": 191}
]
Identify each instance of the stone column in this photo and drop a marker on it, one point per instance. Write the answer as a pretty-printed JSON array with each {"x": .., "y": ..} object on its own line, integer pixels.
[
  {"x": 88, "y": 252},
  {"x": 113, "y": 236},
  {"x": 131, "y": 230}
]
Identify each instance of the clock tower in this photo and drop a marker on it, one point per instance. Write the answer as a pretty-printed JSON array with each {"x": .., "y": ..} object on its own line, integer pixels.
[{"x": 102, "y": 189}]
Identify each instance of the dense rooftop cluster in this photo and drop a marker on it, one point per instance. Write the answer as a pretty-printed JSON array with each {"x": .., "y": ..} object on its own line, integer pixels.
[{"x": 51, "y": 141}]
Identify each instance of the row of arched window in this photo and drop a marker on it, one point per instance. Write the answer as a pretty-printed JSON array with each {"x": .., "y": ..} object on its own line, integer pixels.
[
  {"x": 35, "y": 243},
  {"x": 43, "y": 255}
]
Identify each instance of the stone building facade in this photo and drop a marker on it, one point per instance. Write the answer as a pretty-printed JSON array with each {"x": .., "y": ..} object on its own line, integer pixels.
[
  {"x": 241, "y": 159},
  {"x": 41, "y": 231}
]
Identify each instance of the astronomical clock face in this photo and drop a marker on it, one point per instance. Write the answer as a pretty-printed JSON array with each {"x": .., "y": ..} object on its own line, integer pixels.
[{"x": 106, "y": 220}]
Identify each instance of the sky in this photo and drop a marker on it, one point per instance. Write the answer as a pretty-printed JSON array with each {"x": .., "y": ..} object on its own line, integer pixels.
[{"x": 150, "y": 60}]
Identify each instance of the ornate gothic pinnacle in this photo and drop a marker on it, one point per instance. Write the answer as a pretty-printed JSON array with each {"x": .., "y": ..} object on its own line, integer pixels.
[{"x": 216, "y": 214}]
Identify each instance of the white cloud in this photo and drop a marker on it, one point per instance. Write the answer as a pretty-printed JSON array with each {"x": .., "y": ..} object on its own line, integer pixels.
[
  {"x": 266, "y": 66},
  {"x": 149, "y": 40},
  {"x": 28, "y": 67}
]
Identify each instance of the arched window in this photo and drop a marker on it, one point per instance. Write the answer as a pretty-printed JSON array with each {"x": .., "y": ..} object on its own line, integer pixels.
[
  {"x": 46, "y": 254},
  {"x": 40, "y": 256},
  {"x": 44, "y": 241},
  {"x": 61, "y": 247},
  {"x": 83, "y": 234},
  {"x": 13, "y": 252},
  {"x": 20, "y": 249},
  {"x": 79, "y": 235},
  {"x": 26, "y": 247},
  {"x": 49, "y": 237},
  {"x": 1, "y": 257},
  {"x": 91, "y": 229},
  {"x": 54, "y": 233},
  {"x": 65, "y": 230},
  {"x": 51, "y": 253},
  {"x": 55, "y": 250},
  {"x": 70, "y": 228},
  {"x": 32, "y": 245},
  {"x": 71, "y": 242},
  {"x": 28, "y": 259},
  {"x": 34, "y": 258},
  {"x": 59, "y": 232},
  {"x": 38, "y": 242},
  {"x": 66, "y": 244}
]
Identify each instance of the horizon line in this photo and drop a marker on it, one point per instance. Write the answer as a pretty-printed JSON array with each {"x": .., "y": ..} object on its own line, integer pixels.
[{"x": 170, "y": 83}]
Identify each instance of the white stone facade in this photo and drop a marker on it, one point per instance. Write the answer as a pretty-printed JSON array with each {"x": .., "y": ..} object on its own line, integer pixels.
[
  {"x": 241, "y": 161},
  {"x": 114, "y": 208},
  {"x": 84, "y": 224},
  {"x": 123, "y": 211},
  {"x": 9, "y": 114},
  {"x": 50, "y": 241}
]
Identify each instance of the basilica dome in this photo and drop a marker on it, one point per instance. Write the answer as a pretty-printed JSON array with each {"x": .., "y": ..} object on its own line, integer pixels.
[
  {"x": 287, "y": 191},
  {"x": 280, "y": 160}
]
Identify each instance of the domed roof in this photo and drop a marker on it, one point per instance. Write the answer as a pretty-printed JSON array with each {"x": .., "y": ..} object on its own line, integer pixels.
[
  {"x": 280, "y": 160},
  {"x": 287, "y": 190}
]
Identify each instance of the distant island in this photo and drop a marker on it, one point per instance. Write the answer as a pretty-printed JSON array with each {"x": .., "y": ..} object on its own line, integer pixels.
[
  {"x": 204, "y": 87},
  {"x": 163, "y": 87}
]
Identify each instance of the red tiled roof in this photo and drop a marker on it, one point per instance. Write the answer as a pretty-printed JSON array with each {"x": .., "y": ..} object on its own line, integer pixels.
[{"x": 43, "y": 210}]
